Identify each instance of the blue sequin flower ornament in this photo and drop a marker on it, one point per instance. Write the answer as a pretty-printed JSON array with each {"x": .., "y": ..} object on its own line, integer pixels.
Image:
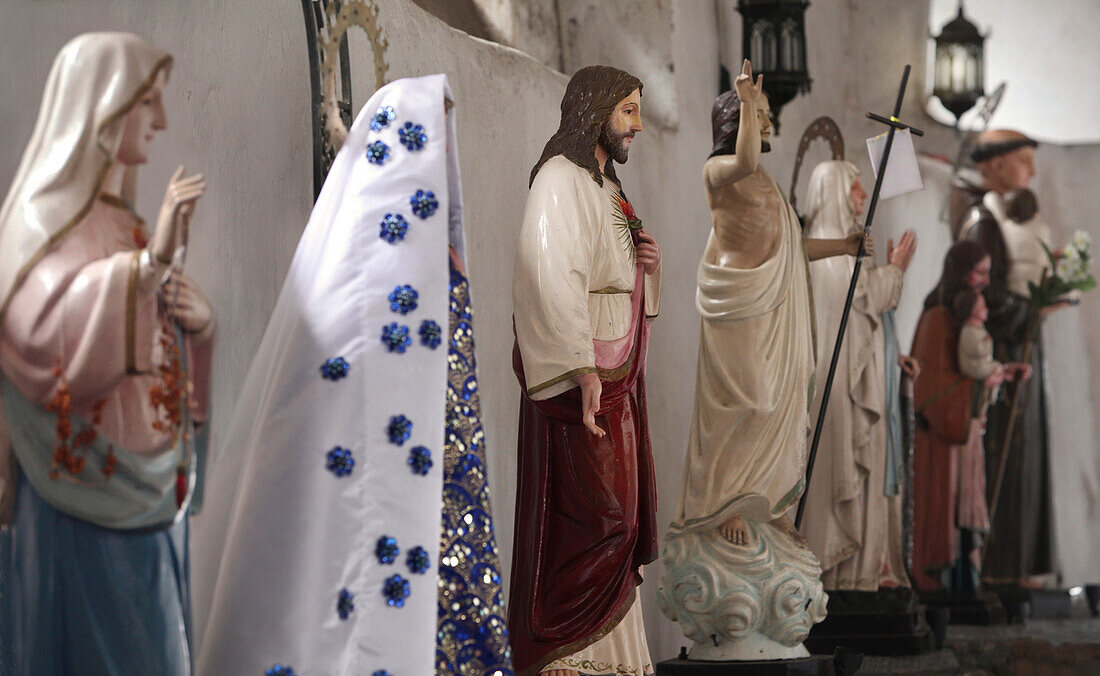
[
  {"x": 424, "y": 203},
  {"x": 393, "y": 228},
  {"x": 396, "y": 337},
  {"x": 382, "y": 118},
  {"x": 396, "y": 589},
  {"x": 431, "y": 335},
  {"x": 378, "y": 152},
  {"x": 345, "y": 605},
  {"x": 386, "y": 550},
  {"x": 403, "y": 299},
  {"x": 412, "y": 136},
  {"x": 399, "y": 429},
  {"x": 417, "y": 560},
  {"x": 420, "y": 459},
  {"x": 279, "y": 670},
  {"x": 339, "y": 462},
  {"x": 334, "y": 368}
]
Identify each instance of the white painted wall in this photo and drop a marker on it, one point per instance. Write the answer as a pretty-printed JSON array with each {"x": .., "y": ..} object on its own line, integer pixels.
[{"x": 238, "y": 110}]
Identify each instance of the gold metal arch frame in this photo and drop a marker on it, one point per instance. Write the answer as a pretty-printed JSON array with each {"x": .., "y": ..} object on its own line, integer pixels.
[
  {"x": 362, "y": 13},
  {"x": 327, "y": 23},
  {"x": 823, "y": 127}
]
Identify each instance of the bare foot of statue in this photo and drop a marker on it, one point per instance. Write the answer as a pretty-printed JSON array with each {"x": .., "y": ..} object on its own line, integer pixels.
[
  {"x": 735, "y": 530},
  {"x": 560, "y": 672},
  {"x": 785, "y": 524}
]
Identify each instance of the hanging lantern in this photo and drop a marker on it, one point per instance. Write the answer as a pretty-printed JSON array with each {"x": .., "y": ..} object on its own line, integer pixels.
[
  {"x": 960, "y": 65},
  {"x": 773, "y": 38}
]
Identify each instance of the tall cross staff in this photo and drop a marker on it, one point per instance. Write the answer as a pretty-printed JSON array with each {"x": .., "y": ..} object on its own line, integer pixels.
[{"x": 894, "y": 124}]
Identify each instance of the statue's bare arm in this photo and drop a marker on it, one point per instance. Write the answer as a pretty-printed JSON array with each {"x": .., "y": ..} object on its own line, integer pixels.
[
  {"x": 724, "y": 169},
  {"x": 816, "y": 249}
]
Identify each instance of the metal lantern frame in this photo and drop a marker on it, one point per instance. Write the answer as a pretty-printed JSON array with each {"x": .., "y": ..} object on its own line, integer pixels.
[
  {"x": 959, "y": 75},
  {"x": 773, "y": 38}
]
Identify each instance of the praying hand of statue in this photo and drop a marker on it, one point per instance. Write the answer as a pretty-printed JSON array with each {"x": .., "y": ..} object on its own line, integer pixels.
[
  {"x": 902, "y": 254},
  {"x": 175, "y": 215}
]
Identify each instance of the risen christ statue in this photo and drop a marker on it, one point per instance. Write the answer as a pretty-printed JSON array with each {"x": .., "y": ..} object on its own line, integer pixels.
[{"x": 747, "y": 450}]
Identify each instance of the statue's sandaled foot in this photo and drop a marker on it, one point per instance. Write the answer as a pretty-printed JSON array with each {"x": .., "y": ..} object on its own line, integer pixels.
[
  {"x": 735, "y": 530},
  {"x": 785, "y": 525}
]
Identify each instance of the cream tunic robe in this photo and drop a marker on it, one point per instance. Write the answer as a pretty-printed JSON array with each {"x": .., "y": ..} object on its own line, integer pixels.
[
  {"x": 747, "y": 450},
  {"x": 574, "y": 272},
  {"x": 573, "y": 276}
]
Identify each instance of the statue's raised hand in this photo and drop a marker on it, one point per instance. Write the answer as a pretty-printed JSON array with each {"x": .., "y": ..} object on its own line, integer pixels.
[
  {"x": 746, "y": 90},
  {"x": 175, "y": 215}
]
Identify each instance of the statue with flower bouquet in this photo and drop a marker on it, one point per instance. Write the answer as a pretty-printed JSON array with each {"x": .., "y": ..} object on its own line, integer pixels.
[{"x": 1072, "y": 276}]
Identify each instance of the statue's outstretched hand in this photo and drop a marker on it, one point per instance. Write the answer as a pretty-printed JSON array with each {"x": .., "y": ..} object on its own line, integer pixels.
[
  {"x": 902, "y": 254},
  {"x": 591, "y": 389},
  {"x": 175, "y": 215},
  {"x": 746, "y": 90}
]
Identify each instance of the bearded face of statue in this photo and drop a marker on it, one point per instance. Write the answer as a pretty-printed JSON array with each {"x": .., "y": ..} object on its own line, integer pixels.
[
  {"x": 619, "y": 129},
  {"x": 764, "y": 117},
  {"x": 1011, "y": 171}
]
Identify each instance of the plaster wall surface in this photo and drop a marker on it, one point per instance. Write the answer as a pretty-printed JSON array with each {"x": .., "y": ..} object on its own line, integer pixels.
[{"x": 238, "y": 110}]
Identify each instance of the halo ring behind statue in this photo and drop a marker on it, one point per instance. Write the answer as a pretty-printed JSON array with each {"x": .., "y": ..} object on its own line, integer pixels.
[
  {"x": 362, "y": 13},
  {"x": 823, "y": 127}
]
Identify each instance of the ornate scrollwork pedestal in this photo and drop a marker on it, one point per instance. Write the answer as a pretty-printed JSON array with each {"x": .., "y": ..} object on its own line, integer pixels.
[{"x": 751, "y": 602}]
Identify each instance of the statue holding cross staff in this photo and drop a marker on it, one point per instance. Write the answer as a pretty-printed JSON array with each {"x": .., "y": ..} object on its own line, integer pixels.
[
  {"x": 740, "y": 580},
  {"x": 747, "y": 449}
]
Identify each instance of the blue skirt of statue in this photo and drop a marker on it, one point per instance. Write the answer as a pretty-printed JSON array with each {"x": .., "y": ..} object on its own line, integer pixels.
[
  {"x": 473, "y": 635},
  {"x": 76, "y": 598}
]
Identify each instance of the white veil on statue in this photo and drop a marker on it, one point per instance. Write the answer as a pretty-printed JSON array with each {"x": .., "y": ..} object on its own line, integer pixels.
[
  {"x": 329, "y": 468},
  {"x": 830, "y": 215}
]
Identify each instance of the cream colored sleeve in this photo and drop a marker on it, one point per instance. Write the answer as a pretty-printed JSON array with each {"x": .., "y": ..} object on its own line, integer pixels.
[
  {"x": 550, "y": 281},
  {"x": 94, "y": 329},
  {"x": 653, "y": 294},
  {"x": 976, "y": 353},
  {"x": 882, "y": 288}
]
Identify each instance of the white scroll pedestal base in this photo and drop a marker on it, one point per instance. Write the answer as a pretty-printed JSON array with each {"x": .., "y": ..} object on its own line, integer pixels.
[{"x": 742, "y": 602}]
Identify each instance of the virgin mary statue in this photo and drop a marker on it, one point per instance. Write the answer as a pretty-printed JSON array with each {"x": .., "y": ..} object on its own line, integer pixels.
[
  {"x": 853, "y": 516},
  {"x": 105, "y": 352}
]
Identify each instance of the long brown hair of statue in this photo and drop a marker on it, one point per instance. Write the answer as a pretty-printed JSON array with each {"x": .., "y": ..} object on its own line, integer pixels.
[
  {"x": 590, "y": 98},
  {"x": 957, "y": 264},
  {"x": 725, "y": 118}
]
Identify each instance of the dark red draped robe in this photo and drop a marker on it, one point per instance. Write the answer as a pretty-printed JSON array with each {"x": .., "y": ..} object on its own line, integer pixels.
[
  {"x": 942, "y": 397},
  {"x": 585, "y": 511}
]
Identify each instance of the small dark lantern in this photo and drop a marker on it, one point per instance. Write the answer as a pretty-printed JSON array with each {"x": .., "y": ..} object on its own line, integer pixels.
[
  {"x": 773, "y": 38},
  {"x": 960, "y": 65}
]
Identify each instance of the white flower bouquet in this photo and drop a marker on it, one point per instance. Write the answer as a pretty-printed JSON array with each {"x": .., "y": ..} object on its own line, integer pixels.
[{"x": 1071, "y": 272}]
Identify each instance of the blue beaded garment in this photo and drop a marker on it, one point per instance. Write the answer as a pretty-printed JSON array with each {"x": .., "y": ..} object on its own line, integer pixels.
[{"x": 473, "y": 635}]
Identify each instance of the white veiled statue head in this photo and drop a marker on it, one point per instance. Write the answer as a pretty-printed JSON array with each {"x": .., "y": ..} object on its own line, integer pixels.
[
  {"x": 95, "y": 80},
  {"x": 830, "y": 213}
]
